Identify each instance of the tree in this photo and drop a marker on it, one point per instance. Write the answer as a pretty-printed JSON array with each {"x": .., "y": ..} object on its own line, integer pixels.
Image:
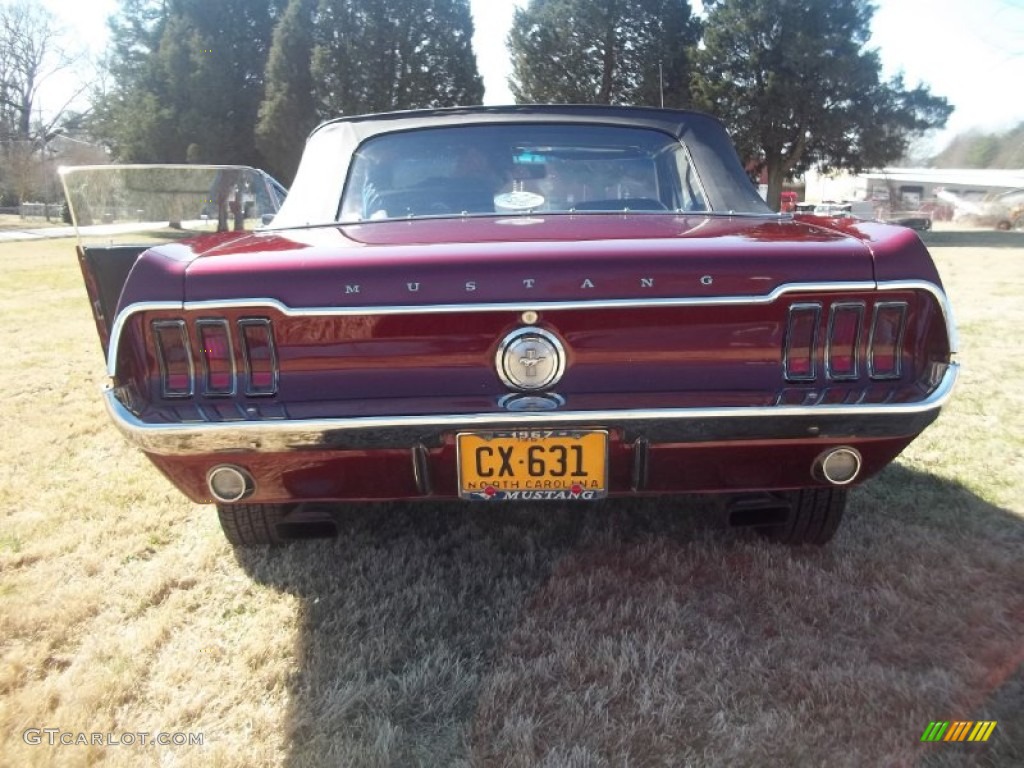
[
  {"x": 975, "y": 149},
  {"x": 31, "y": 51},
  {"x": 795, "y": 84},
  {"x": 188, "y": 74},
  {"x": 382, "y": 55},
  {"x": 603, "y": 52},
  {"x": 288, "y": 111},
  {"x": 127, "y": 101},
  {"x": 196, "y": 81}
]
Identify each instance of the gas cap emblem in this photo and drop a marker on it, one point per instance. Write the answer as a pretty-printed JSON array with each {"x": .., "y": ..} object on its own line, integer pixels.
[{"x": 530, "y": 359}]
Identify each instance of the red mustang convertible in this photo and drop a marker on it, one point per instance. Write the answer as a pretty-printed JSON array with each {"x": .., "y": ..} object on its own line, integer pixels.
[{"x": 545, "y": 303}]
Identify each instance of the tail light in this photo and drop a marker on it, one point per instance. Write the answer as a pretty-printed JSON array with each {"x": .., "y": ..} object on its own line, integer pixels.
[
  {"x": 260, "y": 357},
  {"x": 802, "y": 342},
  {"x": 843, "y": 345},
  {"x": 842, "y": 355},
  {"x": 216, "y": 342},
  {"x": 218, "y": 357},
  {"x": 174, "y": 357},
  {"x": 885, "y": 346}
]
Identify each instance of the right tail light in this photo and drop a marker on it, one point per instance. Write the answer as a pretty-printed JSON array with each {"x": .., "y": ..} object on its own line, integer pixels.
[{"x": 843, "y": 348}]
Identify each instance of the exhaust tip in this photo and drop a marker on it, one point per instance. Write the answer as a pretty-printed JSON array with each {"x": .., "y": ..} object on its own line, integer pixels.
[
  {"x": 838, "y": 466},
  {"x": 229, "y": 484}
]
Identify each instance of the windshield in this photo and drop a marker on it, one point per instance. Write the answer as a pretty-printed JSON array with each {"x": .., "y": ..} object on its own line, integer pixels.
[
  {"x": 125, "y": 203},
  {"x": 505, "y": 169}
]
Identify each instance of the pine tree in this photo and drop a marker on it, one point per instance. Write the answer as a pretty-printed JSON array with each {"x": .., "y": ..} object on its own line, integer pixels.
[
  {"x": 797, "y": 87},
  {"x": 603, "y": 52},
  {"x": 188, "y": 73},
  {"x": 382, "y": 55},
  {"x": 288, "y": 111}
]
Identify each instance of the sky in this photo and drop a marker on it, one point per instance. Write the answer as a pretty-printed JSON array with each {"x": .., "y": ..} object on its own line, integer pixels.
[{"x": 972, "y": 53}]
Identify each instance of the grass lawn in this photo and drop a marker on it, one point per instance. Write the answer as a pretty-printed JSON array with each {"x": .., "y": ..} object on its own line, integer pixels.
[{"x": 603, "y": 635}]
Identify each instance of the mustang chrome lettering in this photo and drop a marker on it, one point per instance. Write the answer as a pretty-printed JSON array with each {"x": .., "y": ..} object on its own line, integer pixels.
[{"x": 470, "y": 286}]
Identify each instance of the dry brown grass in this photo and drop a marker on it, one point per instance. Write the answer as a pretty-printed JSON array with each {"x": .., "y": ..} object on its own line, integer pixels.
[{"x": 606, "y": 635}]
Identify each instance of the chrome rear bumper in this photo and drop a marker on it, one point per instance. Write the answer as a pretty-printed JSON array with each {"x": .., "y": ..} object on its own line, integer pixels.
[{"x": 661, "y": 425}]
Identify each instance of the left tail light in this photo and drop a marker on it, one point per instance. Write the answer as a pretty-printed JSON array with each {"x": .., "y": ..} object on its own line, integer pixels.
[
  {"x": 260, "y": 356},
  {"x": 214, "y": 353}
]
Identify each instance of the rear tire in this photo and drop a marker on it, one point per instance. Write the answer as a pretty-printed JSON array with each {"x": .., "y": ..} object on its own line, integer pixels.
[
  {"x": 817, "y": 513},
  {"x": 252, "y": 525}
]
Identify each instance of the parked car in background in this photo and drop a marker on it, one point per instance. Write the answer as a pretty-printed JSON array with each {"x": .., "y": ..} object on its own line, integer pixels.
[
  {"x": 919, "y": 220},
  {"x": 858, "y": 209},
  {"x": 1003, "y": 211},
  {"x": 1007, "y": 209},
  {"x": 551, "y": 303}
]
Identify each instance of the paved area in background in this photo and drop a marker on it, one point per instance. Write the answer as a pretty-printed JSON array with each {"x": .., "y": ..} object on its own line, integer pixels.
[
  {"x": 42, "y": 233},
  {"x": 97, "y": 230}
]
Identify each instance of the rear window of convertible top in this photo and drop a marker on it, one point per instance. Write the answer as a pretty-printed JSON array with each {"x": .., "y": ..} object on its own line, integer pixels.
[{"x": 517, "y": 168}]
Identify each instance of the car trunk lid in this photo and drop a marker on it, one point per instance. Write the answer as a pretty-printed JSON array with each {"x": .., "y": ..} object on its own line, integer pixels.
[{"x": 526, "y": 261}]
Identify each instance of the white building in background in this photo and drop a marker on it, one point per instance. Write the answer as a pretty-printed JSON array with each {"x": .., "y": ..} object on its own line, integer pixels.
[{"x": 909, "y": 188}]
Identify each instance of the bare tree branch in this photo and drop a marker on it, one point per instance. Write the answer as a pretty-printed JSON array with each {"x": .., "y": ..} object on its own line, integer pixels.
[{"x": 31, "y": 52}]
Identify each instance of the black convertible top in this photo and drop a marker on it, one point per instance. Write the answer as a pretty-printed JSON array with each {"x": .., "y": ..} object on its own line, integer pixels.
[{"x": 316, "y": 192}]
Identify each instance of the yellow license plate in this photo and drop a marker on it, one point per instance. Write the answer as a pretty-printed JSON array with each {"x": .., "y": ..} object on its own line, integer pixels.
[{"x": 533, "y": 464}]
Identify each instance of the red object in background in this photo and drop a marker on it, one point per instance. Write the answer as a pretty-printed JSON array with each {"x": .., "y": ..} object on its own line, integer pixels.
[{"x": 788, "y": 203}]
